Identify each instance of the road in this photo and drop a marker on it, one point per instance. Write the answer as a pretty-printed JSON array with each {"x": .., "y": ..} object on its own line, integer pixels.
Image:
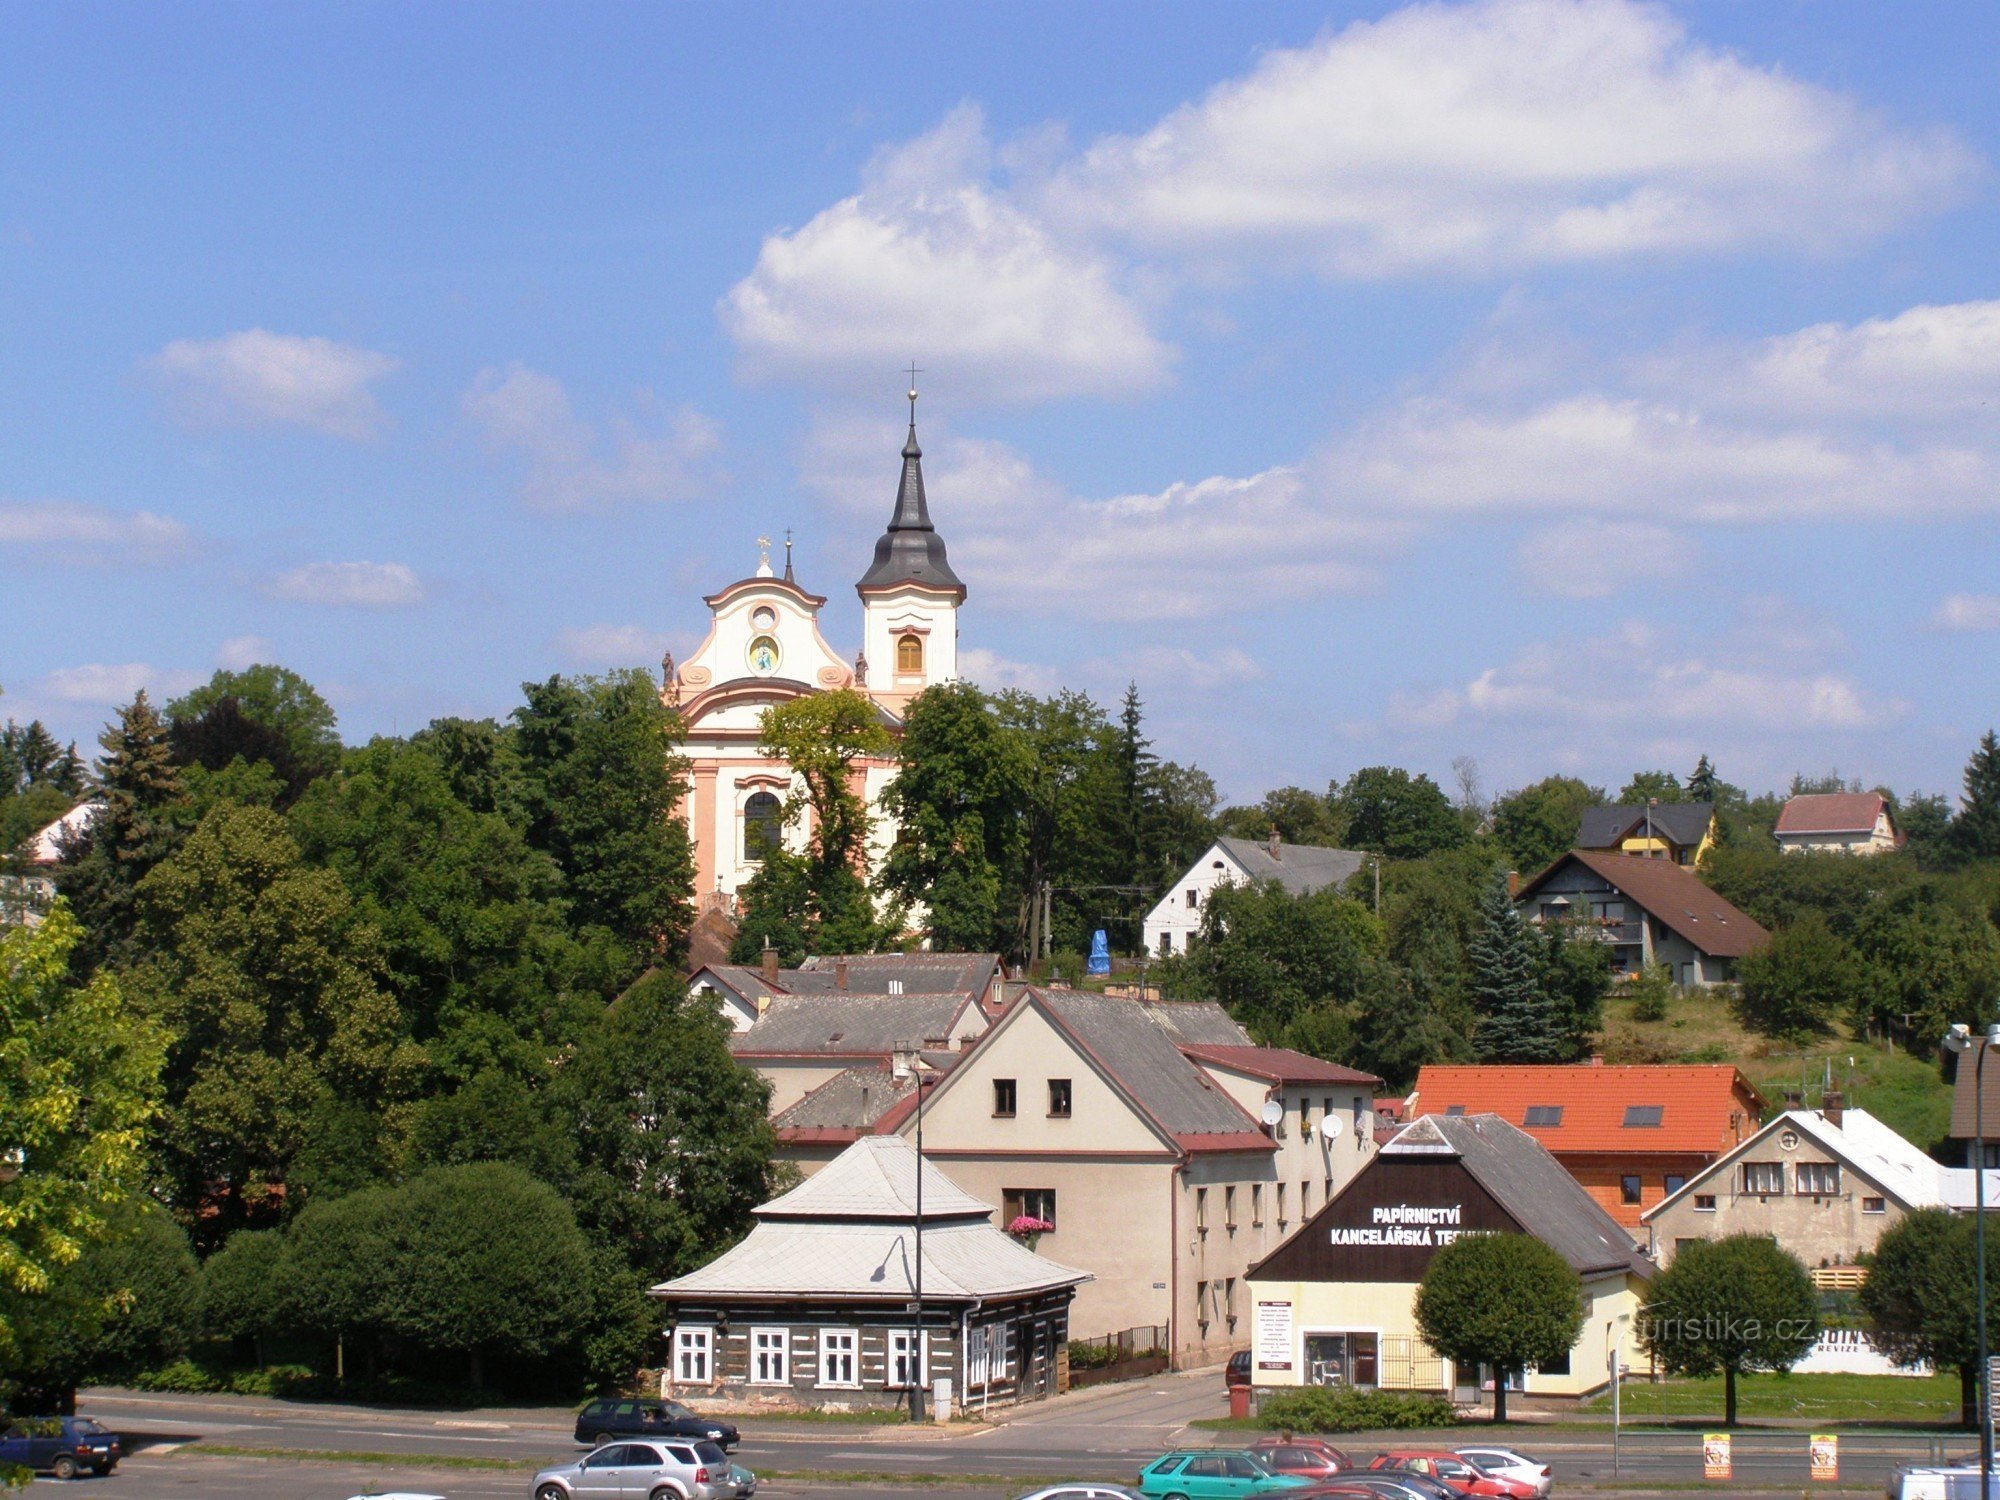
[{"x": 1104, "y": 1433}]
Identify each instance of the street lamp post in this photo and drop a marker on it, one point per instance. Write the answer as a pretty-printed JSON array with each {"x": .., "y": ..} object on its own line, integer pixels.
[
  {"x": 916, "y": 1364},
  {"x": 1959, "y": 1039}
]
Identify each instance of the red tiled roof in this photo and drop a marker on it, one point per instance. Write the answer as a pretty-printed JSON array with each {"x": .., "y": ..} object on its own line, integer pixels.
[
  {"x": 1695, "y": 1103},
  {"x": 1672, "y": 896},
  {"x": 1279, "y": 1064},
  {"x": 1830, "y": 812},
  {"x": 1231, "y": 1140}
]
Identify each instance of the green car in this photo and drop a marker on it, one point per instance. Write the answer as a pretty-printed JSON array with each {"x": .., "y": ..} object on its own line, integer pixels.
[{"x": 1211, "y": 1474}]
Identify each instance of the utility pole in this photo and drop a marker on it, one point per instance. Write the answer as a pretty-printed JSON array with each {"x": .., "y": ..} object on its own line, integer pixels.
[{"x": 917, "y": 1341}]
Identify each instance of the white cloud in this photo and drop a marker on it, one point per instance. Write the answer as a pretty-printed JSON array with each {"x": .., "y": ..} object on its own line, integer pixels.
[
  {"x": 930, "y": 259},
  {"x": 1504, "y": 134},
  {"x": 1967, "y": 612},
  {"x": 71, "y": 532},
  {"x": 257, "y": 377},
  {"x": 108, "y": 684},
  {"x": 1184, "y": 667},
  {"x": 1591, "y": 558},
  {"x": 607, "y": 645},
  {"x": 241, "y": 651},
  {"x": 996, "y": 673},
  {"x": 568, "y": 463},
  {"x": 359, "y": 585}
]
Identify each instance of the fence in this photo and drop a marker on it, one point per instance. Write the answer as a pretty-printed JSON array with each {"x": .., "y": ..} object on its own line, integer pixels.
[
  {"x": 1125, "y": 1355},
  {"x": 1758, "y": 1457}
]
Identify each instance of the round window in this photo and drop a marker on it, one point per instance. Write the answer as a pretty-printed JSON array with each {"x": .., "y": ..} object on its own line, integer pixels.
[
  {"x": 1788, "y": 1139},
  {"x": 764, "y": 655},
  {"x": 763, "y": 617}
]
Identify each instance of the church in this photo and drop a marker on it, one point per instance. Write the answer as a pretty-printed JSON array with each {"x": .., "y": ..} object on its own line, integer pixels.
[{"x": 764, "y": 647}]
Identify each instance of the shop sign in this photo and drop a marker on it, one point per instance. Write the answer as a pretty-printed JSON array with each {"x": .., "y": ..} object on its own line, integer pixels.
[
  {"x": 1393, "y": 1224},
  {"x": 1273, "y": 1334}
]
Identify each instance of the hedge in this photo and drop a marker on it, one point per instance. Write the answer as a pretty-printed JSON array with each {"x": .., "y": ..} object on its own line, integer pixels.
[{"x": 1343, "y": 1409}]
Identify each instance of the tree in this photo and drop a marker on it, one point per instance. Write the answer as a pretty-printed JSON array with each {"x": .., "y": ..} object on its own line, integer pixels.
[
  {"x": 1539, "y": 823},
  {"x": 241, "y": 1287},
  {"x": 1919, "y": 1297},
  {"x": 79, "y": 1082},
  {"x": 1125, "y": 830},
  {"x": 1703, "y": 785},
  {"x": 496, "y": 1116},
  {"x": 273, "y": 991},
  {"x": 1299, "y": 815},
  {"x": 1802, "y": 981},
  {"x": 1650, "y": 786},
  {"x": 1925, "y": 824},
  {"x": 1732, "y": 1305},
  {"x": 336, "y": 1268},
  {"x": 961, "y": 782},
  {"x": 135, "y": 830},
  {"x": 483, "y": 1260},
  {"x": 1503, "y": 1300},
  {"x": 779, "y": 910},
  {"x": 1398, "y": 815},
  {"x": 600, "y": 782},
  {"x": 1932, "y": 958},
  {"x": 260, "y": 715},
  {"x": 1072, "y": 778},
  {"x": 1975, "y": 832},
  {"x": 1517, "y": 1021},
  {"x": 130, "y": 1302},
  {"x": 823, "y": 737},
  {"x": 1575, "y": 975}
]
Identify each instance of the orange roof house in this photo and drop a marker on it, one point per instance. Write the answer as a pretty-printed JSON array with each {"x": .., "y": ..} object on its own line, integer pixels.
[{"x": 1631, "y": 1135}]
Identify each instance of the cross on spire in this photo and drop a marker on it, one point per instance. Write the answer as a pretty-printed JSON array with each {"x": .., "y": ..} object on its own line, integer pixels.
[{"x": 915, "y": 371}]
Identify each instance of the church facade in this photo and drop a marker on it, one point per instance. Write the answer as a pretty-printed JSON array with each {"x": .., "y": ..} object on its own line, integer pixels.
[{"x": 764, "y": 647}]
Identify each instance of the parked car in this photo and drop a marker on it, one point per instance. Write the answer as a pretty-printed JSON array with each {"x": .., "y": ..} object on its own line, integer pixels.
[
  {"x": 1309, "y": 1458},
  {"x": 1937, "y": 1482},
  {"x": 1390, "y": 1484},
  {"x": 1512, "y": 1463},
  {"x": 740, "y": 1482},
  {"x": 1081, "y": 1489},
  {"x": 1237, "y": 1371},
  {"x": 601, "y": 1421},
  {"x": 1211, "y": 1474},
  {"x": 634, "y": 1471},
  {"x": 1464, "y": 1476},
  {"x": 62, "y": 1446}
]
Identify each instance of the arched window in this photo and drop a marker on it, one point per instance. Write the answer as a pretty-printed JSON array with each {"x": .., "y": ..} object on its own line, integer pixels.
[
  {"x": 763, "y": 820},
  {"x": 909, "y": 653}
]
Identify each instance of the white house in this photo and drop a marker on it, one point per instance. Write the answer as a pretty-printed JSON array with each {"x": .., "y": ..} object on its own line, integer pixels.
[
  {"x": 1845, "y": 822},
  {"x": 1299, "y": 868}
]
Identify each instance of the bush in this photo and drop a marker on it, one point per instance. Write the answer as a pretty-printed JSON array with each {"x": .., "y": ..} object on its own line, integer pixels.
[
  {"x": 1318, "y": 1408},
  {"x": 184, "y": 1376},
  {"x": 1090, "y": 1356},
  {"x": 1649, "y": 994}
]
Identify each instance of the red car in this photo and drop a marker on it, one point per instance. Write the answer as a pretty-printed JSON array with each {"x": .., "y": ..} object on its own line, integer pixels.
[
  {"x": 1308, "y": 1458},
  {"x": 1464, "y": 1476}
]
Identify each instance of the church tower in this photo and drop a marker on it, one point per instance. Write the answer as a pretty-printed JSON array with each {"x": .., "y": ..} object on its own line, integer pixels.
[{"x": 909, "y": 595}]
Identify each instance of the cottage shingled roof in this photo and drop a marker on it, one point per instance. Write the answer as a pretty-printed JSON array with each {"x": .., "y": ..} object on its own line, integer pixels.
[
  {"x": 1299, "y": 868},
  {"x": 850, "y": 1101},
  {"x": 1135, "y": 1049},
  {"x": 1684, "y": 823},
  {"x": 1281, "y": 1065},
  {"x": 1672, "y": 895},
  {"x": 1697, "y": 1102},
  {"x": 1196, "y": 1023},
  {"x": 1830, "y": 812},
  {"x": 845, "y": 1024},
  {"x": 931, "y": 973}
]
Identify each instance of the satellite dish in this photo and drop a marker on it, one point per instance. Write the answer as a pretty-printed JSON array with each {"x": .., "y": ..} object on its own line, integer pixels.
[
  {"x": 1330, "y": 1127},
  {"x": 1274, "y": 1111}
]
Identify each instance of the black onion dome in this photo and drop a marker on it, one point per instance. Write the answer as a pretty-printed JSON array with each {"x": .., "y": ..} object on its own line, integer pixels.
[{"x": 911, "y": 551}]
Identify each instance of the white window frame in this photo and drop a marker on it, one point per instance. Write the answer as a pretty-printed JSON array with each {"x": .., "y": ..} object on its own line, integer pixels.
[
  {"x": 896, "y": 1364},
  {"x": 694, "y": 1354},
  {"x": 978, "y": 1356},
  {"x": 838, "y": 1346},
  {"x": 775, "y": 1342}
]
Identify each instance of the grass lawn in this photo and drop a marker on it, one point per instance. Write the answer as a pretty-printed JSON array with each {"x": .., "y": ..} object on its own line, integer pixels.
[{"x": 1828, "y": 1398}]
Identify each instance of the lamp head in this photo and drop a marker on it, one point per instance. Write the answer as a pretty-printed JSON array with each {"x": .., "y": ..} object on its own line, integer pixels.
[
  {"x": 1959, "y": 1038},
  {"x": 1993, "y": 1035}
]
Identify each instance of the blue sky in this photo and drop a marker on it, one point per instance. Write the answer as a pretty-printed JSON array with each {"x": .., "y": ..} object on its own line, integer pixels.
[{"x": 1572, "y": 386}]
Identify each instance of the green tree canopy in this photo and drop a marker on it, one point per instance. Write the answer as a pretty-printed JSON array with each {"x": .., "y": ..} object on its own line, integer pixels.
[
  {"x": 1975, "y": 832},
  {"x": 1503, "y": 1300},
  {"x": 1539, "y": 823},
  {"x": 1651, "y": 786},
  {"x": 138, "y": 827},
  {"x": 1396, "y": 814},
  {"x": 1732, "y": 1305},
  {"x": 261, "y": 715},
  {"x": 1920, "y": 1298},
  {"x": 1932, "y": 957},
  {"x": 1803, "y": 981},
  {"x": 1519, "y": 1021},
  {"x": 242, "y": 1288},
  {"x": 1300, "y": 816}
]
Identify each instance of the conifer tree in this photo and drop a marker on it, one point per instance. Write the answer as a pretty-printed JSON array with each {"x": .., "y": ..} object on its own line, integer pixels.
[
  {"x": 1701, "y": 782},
  {"x": 1975, "y": 832},
  {"x": 1517, "y": 1019},
  {"x": 1136, "y": 763}
]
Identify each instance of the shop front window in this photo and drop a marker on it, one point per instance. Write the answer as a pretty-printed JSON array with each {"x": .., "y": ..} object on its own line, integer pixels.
[{"x": 1341, "y": 1359}]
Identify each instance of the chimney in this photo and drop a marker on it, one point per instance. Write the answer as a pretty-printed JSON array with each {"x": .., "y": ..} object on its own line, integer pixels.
[
  {"x": 1271, "y": 843},
  {"x": 900, "y": 1059},
  {"x": 770, "y": 964},
  {"x": 1513, "y": 884},
  {"x": 840, "y": 972},
  {"x": 1833, "y": 1106},
  {"x": 1794, "y": 1099},
  {"x": 1597, "y": 1059}
]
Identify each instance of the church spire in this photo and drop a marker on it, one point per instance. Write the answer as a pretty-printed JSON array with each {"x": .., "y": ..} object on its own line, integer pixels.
[{"x": 911, "y": 551}]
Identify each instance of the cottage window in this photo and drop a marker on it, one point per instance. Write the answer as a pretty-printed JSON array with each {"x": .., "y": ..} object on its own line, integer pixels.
[
  {"x": 1305, "y": 1200},
  {"x": 1821, "y": 1179},
  {"x": 770, "y": 1356},
  {"x": 909, "y": 653},
  {"x": 1874, "y": 1205},
  {"x": 839, "y": 1357},
  {"x": 1643, "y": 1116},
  {"x": 1454, "y": 1111},
  {"x": 1166, "y": 944},
  {"x": 1762, "y": 1178},
  {"x": 1193, "y": 899},
  {"x": 1305, "y": 1118},
  {"x": 978, "y": 1357},
  {"x": 1059, "y": 1098},
  {"x": 1675, "y": 1182},
  {"x": 1543, "y": 1116},
  {"x": 909, "y": 1356},
  {"x": 1628, "y": 1188},
  {"x": 1704, "y": 1203},
  {"x": 1003, "y": 1098},
  {"x": 1030, "y": 1203},
  {"x": 693, "y": 1351}
]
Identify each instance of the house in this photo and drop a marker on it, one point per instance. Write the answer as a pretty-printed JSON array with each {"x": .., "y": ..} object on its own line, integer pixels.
[
  {"x": 1630, "y": 1135},
  {"x": 1985, "y": 1119},
  {"x": 28, "y": 892},
  {"x": 741, "y": 991},
  {"x": 800, "y": 1042},
  {"x": 1825, "y": 1183},
  {"x": 1646, "y": 911},
  {"x": 1681, "y": 832},
  {"x": 1335, "y": 1304},
  {"x": 1298, "y": 868},
  {"x": 1845, "y": 822},
  {"x": 846, "y": 1292},
  {"x": 1164, "y": 1150}
]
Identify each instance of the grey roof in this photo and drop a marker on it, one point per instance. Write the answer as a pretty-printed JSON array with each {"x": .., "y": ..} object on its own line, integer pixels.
[
  {"x": 1530, "y": 1184},
  {"x": 911, "y": 551},
  {"x": 847, "y": 1232},
  {"x": 1299, "y": 868},
  {"x": 1196, "y": 1023},
  {"x": 850, "y": 1100},
  {"x": 1608, "y": 827},
  {"x": 870, "y": 973},
  {"x": 1130, "y": 1044},
  {"x": 842, "y": 1024}
]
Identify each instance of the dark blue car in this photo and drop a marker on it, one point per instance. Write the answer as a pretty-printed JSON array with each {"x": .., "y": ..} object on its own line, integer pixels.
[{"x": 62, "y": 1446}]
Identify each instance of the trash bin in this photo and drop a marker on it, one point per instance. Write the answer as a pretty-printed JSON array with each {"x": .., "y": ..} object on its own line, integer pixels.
[{"x": 1239, "y": 1401}]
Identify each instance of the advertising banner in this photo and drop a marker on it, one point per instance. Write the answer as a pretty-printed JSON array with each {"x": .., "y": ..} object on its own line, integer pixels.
[
  {"x": 1825, "y": 1454},
  {"x": 1273, "y": 1336},
  {"x": 1715, "y": 1456}
]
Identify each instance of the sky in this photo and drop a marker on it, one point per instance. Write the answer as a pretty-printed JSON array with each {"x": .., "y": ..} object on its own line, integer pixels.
[{"x": 1580, "y": 386}]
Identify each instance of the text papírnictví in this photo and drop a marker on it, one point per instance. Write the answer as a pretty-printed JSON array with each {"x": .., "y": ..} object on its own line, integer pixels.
[{"x": 1404, "y": 1224}]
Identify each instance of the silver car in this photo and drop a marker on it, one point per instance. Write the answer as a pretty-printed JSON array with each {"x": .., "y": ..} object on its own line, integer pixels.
[{"x": 657, "y": 1469}]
